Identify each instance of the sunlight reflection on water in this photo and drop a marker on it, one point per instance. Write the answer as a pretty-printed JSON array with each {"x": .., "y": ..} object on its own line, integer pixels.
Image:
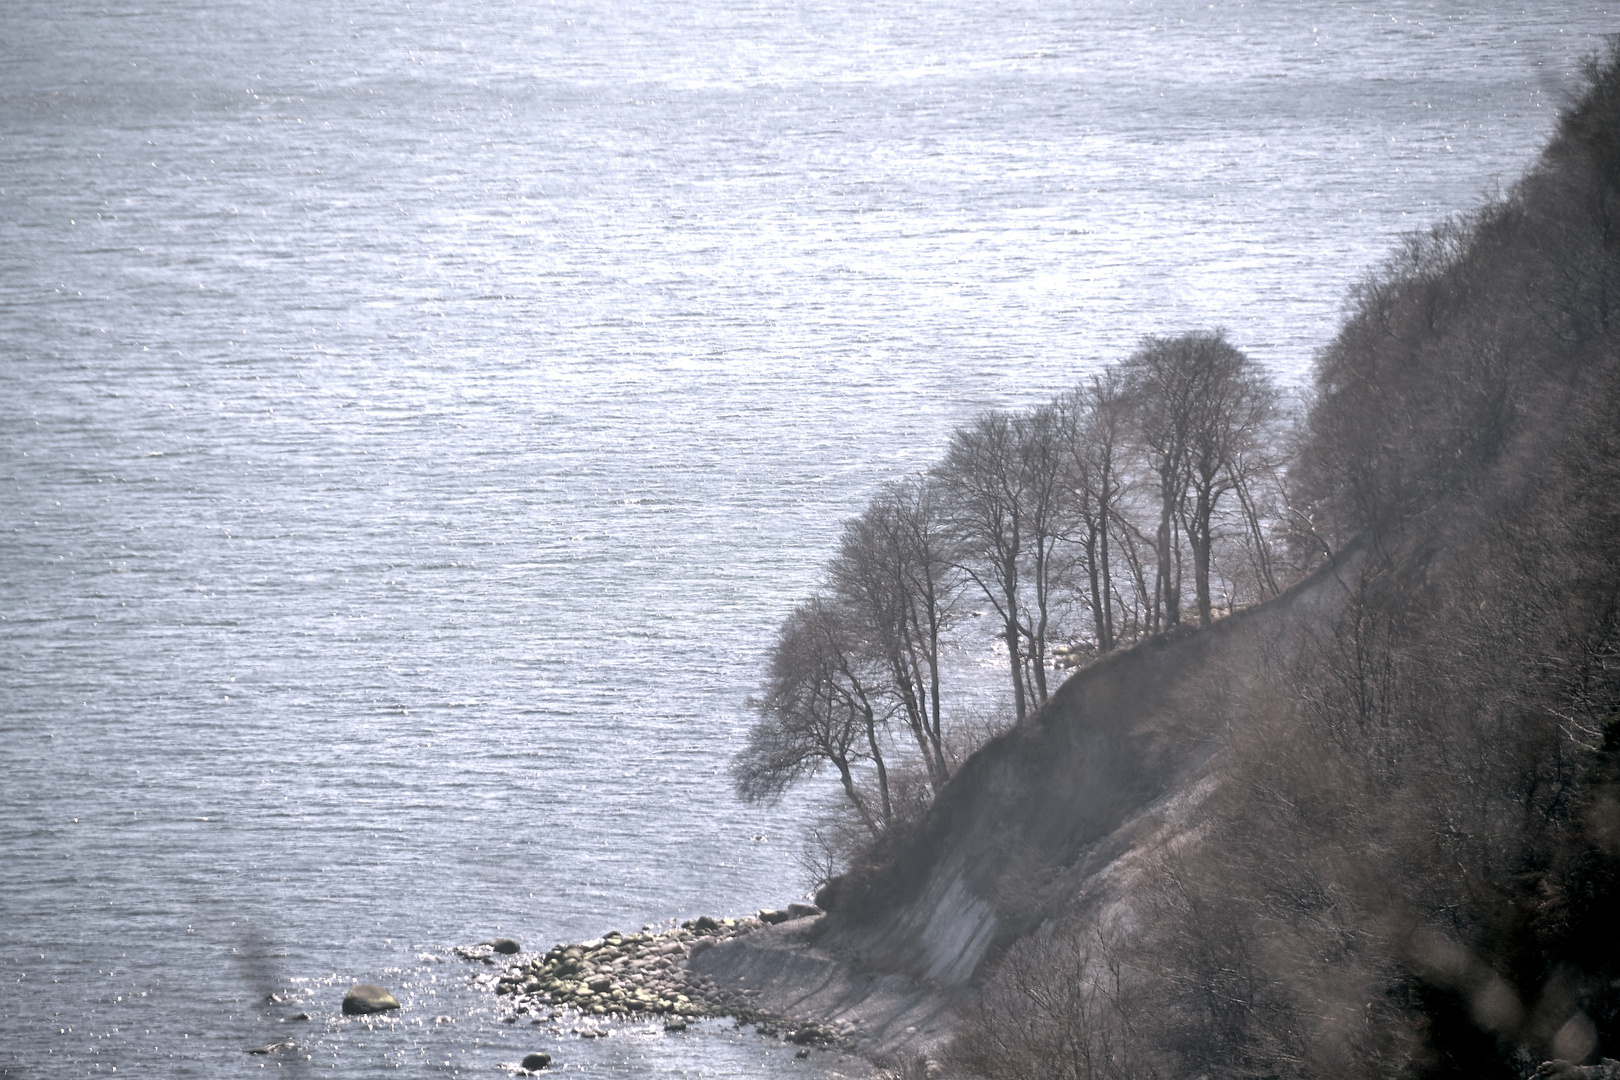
[{"x": 417, "y": 422}]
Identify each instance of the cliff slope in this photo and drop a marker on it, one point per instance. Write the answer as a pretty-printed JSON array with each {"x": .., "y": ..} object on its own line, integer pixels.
[
  {"x": 1369, "y": 828},
  {"x": 1057, "y": 812}
]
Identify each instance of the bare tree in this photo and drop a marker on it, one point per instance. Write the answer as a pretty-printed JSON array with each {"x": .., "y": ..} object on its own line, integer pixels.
[
  {"x": 1057, "y": 1005},
  {"x": 1138, "y": 551},
  {"x": 1226, "y": 446},
  {"x": 1048, "y": 508},
  {"x": 893, "y": 572},
  {"x": 1163, "y": 389},
  {"x": 983, "y": 481},
  {"x": 821, "y": 707},
  {"x": 1092, "y": 423},
  {"x": 1004, "y": 499},
  {"x": 1203, "y": 409}
]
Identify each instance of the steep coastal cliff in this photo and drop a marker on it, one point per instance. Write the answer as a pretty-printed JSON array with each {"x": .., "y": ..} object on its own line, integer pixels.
[
  {"x": 1366, "y": 828},
  {"x": 1369, "y": 827},
  {"x": 1051, "y": 817}
]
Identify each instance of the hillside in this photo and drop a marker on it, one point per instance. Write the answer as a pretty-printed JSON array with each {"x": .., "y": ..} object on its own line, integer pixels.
[
  {"x": 1370, "y": 827},
  {"x": 1044, "y": 809}
]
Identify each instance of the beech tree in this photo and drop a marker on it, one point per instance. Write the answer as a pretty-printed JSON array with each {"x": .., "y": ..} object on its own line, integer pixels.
[
  {"x": 1202, "y": 409},
  {"x": 1001, "y": 480},
  {"x": 893, "y": 573},
  {"x": 1091, "y": 423},
  {"x": 1162, "y": 389},
  {"x": 1049, "y": 511},
  {"x": 982, "y": 477},
  {"x": 1048, "y": 514},
  {"x": 1231, "y": 410},
  {"x": 821, "y": 707}
]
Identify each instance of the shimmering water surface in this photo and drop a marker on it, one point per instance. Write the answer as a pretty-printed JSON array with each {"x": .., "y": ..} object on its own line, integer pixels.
[{"x": 415, "y": 419}]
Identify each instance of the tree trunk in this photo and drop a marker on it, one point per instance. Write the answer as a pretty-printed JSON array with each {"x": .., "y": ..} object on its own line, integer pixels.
[
  {"x": 1037, "y": 636},
  {"x": 855, "y": 799},
  {"x": 1175, "y": 570},
  {"x": 927, "y": 744},
  {"x": 1165, "y": 589},
  {"x": 935, "y": 734},
  {"x": 1094, "y": 577},
  {"x": 907, "y": 678},
  {"x": 1198, "y": 539},
  {"x": 882, "y": 770},
  {"x": 1013, "y": 637},
  {"x": 1251, "y": 515},
  {"x": 1105, "y": 640}
]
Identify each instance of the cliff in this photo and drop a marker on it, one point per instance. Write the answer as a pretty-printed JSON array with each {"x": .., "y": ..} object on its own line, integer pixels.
[
  {"x": 1054, "y": 815},
  {"x": 1368, "y": 828}
]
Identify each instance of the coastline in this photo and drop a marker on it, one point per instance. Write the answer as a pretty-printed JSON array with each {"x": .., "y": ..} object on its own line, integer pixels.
[{"x": 771, "y": 972}]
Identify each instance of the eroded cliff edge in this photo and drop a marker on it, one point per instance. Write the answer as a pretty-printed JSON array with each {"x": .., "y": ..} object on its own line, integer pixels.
[{"x": 1055, "y": 815}]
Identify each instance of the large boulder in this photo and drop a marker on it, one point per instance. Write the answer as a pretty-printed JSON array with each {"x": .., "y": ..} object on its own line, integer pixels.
[{"x": 363, "y": 999}]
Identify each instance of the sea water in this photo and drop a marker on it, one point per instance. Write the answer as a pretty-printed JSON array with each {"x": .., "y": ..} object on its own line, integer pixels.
[{"x": 416, "y": 418}]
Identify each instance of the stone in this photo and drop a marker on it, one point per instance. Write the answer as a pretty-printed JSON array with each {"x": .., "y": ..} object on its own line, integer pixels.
[
  {"x": 271, "y": 1049},
  {"x": 363, "y": 999},
  {"x": 536, "y": 1061},
  {"x": 503, "y": 945},
  {"x": 812, "y": 1033}
]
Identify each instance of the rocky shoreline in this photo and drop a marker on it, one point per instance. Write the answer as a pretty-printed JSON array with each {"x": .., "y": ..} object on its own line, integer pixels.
[{"x": 645, "y": 975}]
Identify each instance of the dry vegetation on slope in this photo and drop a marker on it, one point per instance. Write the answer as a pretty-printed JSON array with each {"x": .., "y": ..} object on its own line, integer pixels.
[
  {"x": 1371, "y": 828},
  {"x": 1407, "y": 864}
]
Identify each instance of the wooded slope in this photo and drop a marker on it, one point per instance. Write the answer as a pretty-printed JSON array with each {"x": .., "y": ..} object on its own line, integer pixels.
[{"x": 1371, "y": 827}]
